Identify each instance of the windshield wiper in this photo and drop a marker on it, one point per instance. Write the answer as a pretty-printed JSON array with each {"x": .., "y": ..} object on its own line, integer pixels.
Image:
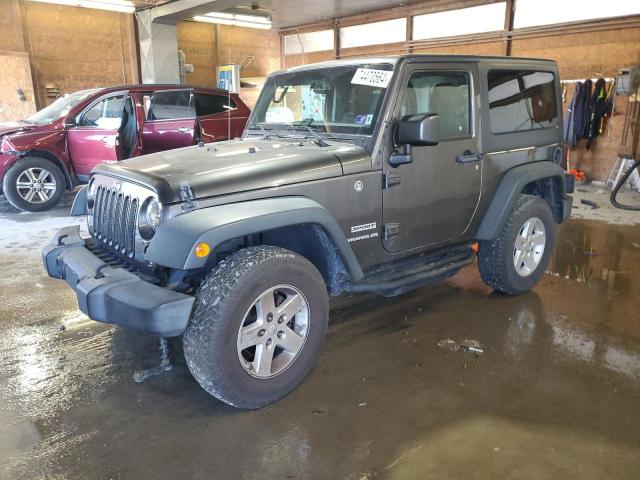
[{"x": 306, "y": 124}]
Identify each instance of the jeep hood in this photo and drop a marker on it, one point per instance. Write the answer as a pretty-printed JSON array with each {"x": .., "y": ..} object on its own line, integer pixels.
[{"x": 238, "y": 166}]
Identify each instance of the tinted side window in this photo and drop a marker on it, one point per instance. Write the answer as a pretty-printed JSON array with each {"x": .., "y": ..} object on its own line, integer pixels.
[
  {"x": 171, "y": 104},
  {"x": 521, "y": 100},
  {"x": 207, "y": 104},
  {"x": 106, "y": 113},
  {"x": 446, "y": 94}
]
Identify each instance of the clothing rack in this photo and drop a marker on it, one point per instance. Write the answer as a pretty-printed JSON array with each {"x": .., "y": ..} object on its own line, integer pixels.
[{"x": 594, "y": 80}]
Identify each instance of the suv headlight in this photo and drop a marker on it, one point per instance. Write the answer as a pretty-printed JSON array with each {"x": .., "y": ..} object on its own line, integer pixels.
[{"x": 149, "y": 218}]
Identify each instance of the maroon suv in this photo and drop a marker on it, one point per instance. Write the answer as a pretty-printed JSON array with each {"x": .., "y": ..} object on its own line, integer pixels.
[{"x": 56, "y": 148}]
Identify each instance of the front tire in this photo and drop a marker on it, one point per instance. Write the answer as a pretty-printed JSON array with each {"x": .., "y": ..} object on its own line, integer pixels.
[
  {"x": 33, "y": 184},
  {"x": 258, "y": 325},
  {"x": 515, "y": 261}
]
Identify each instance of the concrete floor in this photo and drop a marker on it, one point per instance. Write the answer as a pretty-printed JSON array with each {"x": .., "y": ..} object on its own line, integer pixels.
[{"x": 556, "y": 393}]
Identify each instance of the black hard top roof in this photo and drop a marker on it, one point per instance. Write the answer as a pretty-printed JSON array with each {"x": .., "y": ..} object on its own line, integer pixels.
[{"x": 423, "y": 57}]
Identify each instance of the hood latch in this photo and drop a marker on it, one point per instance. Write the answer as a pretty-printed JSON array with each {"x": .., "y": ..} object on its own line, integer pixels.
[{"x": 187, "y": 196}]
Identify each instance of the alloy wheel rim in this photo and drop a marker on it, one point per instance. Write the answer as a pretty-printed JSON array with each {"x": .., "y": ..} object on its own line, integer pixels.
[
  {"x": 36, "y": 185},
  {"x": 273, "y": 331},
  {"x": 529, "y": 247}
]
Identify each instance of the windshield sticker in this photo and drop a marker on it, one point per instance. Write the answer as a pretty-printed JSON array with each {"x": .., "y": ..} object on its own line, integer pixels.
[
  {"x": 371, "y": 77},
  {"x": 361, "y": 119}
]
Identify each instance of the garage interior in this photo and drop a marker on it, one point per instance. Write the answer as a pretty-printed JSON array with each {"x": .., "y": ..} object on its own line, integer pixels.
[{"x": 451, "y": 380}]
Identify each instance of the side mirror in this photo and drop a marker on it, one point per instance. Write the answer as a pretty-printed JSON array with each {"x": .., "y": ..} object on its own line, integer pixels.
[
  {"x": 70, "y": 122},
  {"x": 419, "y": 130},
  {"x": 415, "y": 131}
]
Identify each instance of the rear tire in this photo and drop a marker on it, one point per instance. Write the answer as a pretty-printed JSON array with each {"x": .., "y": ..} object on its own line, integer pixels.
[
  {"x": 243, "y": 351},
  {"x": 34, "y": 184},
  {"x": 515, "y": 261}
]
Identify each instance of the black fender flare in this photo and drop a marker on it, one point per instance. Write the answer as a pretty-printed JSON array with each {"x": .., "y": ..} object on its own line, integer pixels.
[
  {"x": 68, "y": 176},
  {"x": 511, "y": 185},
  {"x": 174, "y": 242}
]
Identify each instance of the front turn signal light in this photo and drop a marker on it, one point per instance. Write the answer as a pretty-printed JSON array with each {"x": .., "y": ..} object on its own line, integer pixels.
[{"x": 202, "y": 250}]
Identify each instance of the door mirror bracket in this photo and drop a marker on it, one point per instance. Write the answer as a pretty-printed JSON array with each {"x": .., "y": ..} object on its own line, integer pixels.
[
  {"x": 398, "y": 158},
  {"x": 70, "y": 122}
]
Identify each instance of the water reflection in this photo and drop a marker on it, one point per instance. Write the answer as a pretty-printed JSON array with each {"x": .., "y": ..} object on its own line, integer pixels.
[
  {"x": 530, "y": 331},
  {"x": 594, "y": 251}
]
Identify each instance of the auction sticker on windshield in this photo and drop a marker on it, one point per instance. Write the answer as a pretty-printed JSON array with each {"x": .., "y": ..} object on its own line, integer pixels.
[{"x": 372, "y": 77}]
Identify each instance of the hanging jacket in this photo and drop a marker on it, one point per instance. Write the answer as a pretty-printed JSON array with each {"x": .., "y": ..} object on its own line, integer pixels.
[
  {"x": 596, "y": 111},
  {"x": 608, "y": 108},
  {"x": 579, "y": 112},
  {"x": 588, "y": 105},
  {"x": 569, "y": 119}
]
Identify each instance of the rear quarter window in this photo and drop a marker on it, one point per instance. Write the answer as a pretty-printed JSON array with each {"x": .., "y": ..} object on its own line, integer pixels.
[{"x": 521, "y": 100}]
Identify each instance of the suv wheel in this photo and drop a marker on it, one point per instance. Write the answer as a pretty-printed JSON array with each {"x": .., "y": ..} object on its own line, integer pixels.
[
  {"x": 257, "y": 327},
  {"x": 515, "y": 261},
  {"x": 33, "y": 184}
]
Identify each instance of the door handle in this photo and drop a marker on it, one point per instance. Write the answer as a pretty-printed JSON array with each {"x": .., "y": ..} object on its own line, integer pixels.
[
  {"x": 184, "y": 129},
  {"x": 468, "y": 157},
  {"x": 105, "y": 139}
]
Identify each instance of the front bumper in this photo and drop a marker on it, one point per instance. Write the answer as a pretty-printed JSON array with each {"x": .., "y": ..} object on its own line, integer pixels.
[{"x": 114, "y": 295}]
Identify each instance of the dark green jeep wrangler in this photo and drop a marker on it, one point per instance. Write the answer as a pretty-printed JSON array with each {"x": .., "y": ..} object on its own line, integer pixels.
[{"x": 371, "y": 175}]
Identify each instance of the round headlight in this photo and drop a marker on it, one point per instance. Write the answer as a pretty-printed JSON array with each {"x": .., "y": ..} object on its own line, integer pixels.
[
  {"x": 154, "y": 213},
  {"x": 149, "y": 218},
  {"x": 91, "y": 194}
]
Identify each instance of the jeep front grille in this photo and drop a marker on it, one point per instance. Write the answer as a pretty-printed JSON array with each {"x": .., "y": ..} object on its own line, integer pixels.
[{"x": 114, "y": 220}]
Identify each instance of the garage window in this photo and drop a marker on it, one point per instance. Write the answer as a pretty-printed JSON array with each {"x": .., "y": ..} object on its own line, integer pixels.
[
  {"x": 446, "y": 94},
  {"x": 463, "y": 21},
  {"x": 521, "y": 100},
  {"x": 308, "y": 42},
  {"x": 376, "y": 33},
  {"x": 211, "y": 104}
]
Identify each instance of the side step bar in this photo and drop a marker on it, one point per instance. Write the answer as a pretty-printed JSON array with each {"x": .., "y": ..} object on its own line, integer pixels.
[{"x": 405, "y": 275}]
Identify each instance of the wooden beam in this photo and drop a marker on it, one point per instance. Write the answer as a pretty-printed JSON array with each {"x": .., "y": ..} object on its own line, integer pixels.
[
  {"x": 17, "y": 25},
  {"x": 336, "y": 41},
  {"x": 508, "y": 26},
  {"x": 409, "y": 37}
]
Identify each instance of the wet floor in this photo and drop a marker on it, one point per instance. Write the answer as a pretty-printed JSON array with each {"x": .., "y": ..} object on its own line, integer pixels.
[{"x": 555, "y": 393}]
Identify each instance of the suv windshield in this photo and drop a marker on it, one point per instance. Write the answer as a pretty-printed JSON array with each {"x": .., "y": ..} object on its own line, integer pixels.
[
  {"x": 341, "y": 99},
  {"x": 59, "y": 108}
]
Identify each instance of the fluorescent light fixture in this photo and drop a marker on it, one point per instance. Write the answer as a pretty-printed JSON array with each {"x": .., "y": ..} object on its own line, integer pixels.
[
  {"x": 123, "y": 6},
  {"x": 237, "y": 20}
]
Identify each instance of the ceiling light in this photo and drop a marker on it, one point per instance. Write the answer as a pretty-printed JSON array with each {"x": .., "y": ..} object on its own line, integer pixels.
[
  {"x": 237, "y": 20},
  {"x": 123, "y": 6}
]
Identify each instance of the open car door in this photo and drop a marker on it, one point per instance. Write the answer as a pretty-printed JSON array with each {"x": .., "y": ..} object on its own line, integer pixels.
[
  {"x": 170, "y": 120},
  {"x": 96, "y": 136}
]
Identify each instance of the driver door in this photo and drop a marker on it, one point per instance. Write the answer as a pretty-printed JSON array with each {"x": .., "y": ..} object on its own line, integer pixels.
[
  {"x": 95, "y": 138},
  {"x": 432, "y": 200}
]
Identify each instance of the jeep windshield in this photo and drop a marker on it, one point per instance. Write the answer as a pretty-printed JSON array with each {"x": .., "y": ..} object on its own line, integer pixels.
[
  {"x": 61, "y": 107},
  {"x": 344, "y": 99}
]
